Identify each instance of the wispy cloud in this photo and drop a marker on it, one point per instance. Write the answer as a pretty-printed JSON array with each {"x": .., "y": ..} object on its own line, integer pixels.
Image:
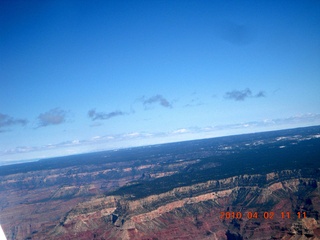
[
  {"x": 177, "y": 134},
  {"x": 180, "y": 131},
  {"x": 310, "y": 118},
  {"x": 7, "y": 121},
  {"x": 260, "y": 94},
  {"x": 156, "y": 99},
  {"x": 103, "y": 116},
  {"x": 54, "y": 116},
  {"x": 27, "y": 149},
  {"x": 302, "y": 119},
  {"x": 194, "y": 102},
  {"x": 241, "y": 95}
]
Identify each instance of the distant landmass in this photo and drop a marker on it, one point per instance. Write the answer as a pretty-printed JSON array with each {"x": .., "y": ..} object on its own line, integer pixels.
[{"x": 251, "y": 186}]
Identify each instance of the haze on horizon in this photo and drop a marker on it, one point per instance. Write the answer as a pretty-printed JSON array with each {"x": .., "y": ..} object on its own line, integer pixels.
[{"x": 80, "y": 77}]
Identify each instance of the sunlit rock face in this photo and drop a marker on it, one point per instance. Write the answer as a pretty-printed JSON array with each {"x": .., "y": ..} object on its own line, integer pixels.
[{"x": 203, "y": 215}]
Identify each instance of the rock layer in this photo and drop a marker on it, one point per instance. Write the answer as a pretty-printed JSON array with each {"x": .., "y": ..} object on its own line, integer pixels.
[{"x": 168, "y": 216}]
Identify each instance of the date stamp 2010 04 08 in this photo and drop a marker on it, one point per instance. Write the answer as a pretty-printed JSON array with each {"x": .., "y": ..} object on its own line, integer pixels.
[{"x": 256, "y": 215}]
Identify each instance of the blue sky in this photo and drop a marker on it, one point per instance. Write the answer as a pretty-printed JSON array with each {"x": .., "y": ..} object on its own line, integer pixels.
[{"x": 79, "y": 76}]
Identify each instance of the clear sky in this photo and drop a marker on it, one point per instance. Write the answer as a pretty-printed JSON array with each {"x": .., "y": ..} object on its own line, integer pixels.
[{"x": 79, "y": 76}]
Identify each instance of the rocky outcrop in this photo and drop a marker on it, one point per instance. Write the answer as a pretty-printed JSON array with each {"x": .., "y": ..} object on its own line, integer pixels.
[
  {"x": 35, "y": 201},
  {"x": 195, "y": 212}
]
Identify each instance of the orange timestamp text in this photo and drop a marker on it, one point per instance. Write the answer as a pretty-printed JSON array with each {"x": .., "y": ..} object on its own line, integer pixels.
[{"x": 256, "y": 215}]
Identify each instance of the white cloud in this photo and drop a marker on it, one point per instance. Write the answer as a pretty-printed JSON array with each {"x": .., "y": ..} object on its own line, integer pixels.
[
  {"x": 76, "y": 141},
  {"x": 180, "y": 131},
  {"x": 131, "y": 135}
]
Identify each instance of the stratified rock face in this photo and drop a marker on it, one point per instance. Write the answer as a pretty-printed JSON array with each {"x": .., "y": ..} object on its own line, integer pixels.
[
  {"x": 35, "y": 201},
  {"x": 235, "y": 212}
]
